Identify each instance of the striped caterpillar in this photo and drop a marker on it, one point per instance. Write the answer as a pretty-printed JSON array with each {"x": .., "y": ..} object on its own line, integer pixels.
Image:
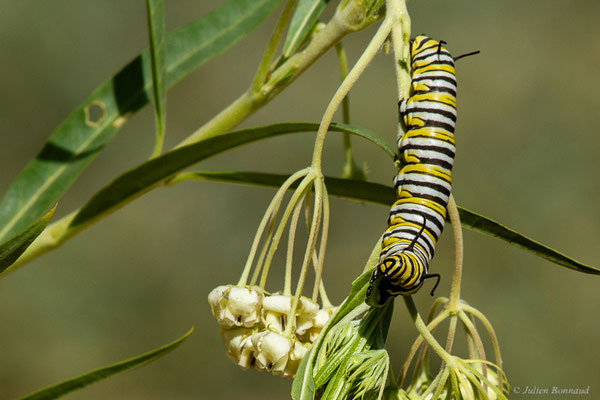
[{"x": 426, "y": 154}]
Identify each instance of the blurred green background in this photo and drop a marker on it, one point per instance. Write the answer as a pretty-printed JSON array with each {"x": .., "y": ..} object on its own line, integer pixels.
[{"x": 528, "y": 156}]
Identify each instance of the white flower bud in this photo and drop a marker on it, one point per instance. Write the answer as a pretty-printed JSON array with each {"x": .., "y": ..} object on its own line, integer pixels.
[
  {"x": 307, "y": 307},
  {"x": 236, "y": 306},
  {"x": 214, "y": 299},
  {"x": 272, "y": 350},
  {"x": 296, "y": 355},
  {"x": 306, "y": 314},
  {"x": 319, "y": 321},
  {"x": 278, "y": 303},
  {"x": 275, "y": 311},
  {"x": 239, "y": 346}
]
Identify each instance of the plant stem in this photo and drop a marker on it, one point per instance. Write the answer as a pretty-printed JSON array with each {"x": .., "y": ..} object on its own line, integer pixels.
[
  {"x": 308, "y": 179},
  {"x": 458, "y": 254},
  {"x": 269, "y": 214},
  {"x": 451, "y": 333},
  {"x": 344, "y": 88},
  {"x": 415, "y": 347},
  {"x": 350, "y": 19},
  {"x": 312, "y": 238},
  {"x": 349, "y": 169},
  {"x": 397, "y": 12},
  {"x": 323, "y": 243},
  {"x": 427, "y": 336},
  {"x": 343, "y": 60},
  {"x": 287, "y": 288},
  {"x": 490, "y": 330}
]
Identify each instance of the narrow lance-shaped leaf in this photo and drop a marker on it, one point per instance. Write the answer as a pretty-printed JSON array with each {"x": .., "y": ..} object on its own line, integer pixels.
[
  {"x": 77, "y": 383},
  {"x": 13, "y": 248},
  {"x": 154, "y": 172},
  {"x": 77, "y": 141},
  {"x": 155, "y": 10},
  {"x": 385, "y": 195},
  {"x": 304, "y": 19}
]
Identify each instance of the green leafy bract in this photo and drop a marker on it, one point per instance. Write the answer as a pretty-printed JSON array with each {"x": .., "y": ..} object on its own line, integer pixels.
[{"x": 303, "y": 387}]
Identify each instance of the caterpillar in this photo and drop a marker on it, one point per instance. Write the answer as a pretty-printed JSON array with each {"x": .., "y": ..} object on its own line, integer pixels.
[{"x": 426, "y": 151}]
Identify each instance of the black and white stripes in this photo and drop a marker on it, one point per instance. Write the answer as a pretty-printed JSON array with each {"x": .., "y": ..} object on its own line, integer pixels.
[{"x": 423, "y": 185}]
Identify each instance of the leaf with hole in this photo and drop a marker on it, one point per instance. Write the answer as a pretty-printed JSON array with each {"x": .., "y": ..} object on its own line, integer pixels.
[
  {"x": 159, "y": 170},
  {"x": 79, "y": 139}
]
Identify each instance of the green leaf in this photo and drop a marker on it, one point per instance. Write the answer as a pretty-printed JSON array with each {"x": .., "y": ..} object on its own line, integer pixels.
[
  {"x": 304, "y": 19},
  {"x": 77, "y": 141},
  {"x": 153, "y": 172},
  {"x": 385, "y": 195},
  {"x": 303, "y": 386},
  {"x": 13, "y": 248},
  {"x": 77, "y": 383},
  {"x": 159, "y": 170},
  {"x": 482, "y": 224},
  {"x": 155, "y": 10}
]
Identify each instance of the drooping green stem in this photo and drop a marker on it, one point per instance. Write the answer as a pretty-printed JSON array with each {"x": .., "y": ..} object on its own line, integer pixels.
[
  {"x": 296, "y": 197},
  {"x": 438, "y": 382},
  {"x": 451, "y": 333},
  {"x": 263, "y": 223},
  {"x": 489, "y": 328},
  {"x": 439, "y": 386},
  {"x": 344, "y": 88},
  {"x": 458, "y": 254},
  {"x": 415, "y": 347},
  {"x": 312, "y": 238},
  {"x": 287, "y": 288},
  {"x": 472, "y": 331},
  {"x": 322, "y": 244},
  {"x": 425, "y": 333}
]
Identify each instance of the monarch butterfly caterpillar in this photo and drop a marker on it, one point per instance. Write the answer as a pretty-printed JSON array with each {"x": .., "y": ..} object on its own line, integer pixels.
[{"x": 426, "y": 154}]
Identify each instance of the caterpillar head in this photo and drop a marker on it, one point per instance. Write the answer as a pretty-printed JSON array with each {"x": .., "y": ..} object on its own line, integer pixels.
[{"x": 386, "y": 281}]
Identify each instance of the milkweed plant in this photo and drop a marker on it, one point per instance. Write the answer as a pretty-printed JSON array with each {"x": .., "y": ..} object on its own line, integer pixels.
[{"x": 291, "y": 330}]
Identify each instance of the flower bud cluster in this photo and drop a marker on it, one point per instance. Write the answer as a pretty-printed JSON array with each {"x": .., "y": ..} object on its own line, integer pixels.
[{"x": 253, "y": 327}]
